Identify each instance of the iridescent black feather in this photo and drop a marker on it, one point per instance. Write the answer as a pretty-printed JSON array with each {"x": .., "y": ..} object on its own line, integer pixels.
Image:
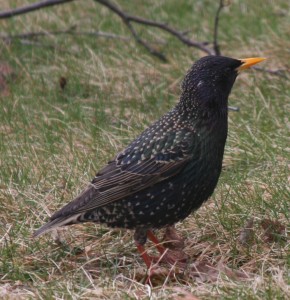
[{"x": 171, "y": 168}]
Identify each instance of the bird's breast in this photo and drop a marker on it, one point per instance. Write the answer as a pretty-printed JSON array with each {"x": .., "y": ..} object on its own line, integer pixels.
[{"x": 201, "y": 174}]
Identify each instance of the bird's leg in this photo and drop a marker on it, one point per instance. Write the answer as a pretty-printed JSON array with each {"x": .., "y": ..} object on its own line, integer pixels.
[
  {"x": 153, "y": 270},
  {"x": 174, "y": 256},
  {"x": 155, "y": 241},
  {"x": 140, "y": 237},
  {"x": 147, "y": 259},
  {"x": 166, "y": 255}
]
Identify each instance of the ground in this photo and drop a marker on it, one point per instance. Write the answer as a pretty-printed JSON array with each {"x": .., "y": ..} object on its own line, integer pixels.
[{"x": 69, "y": 103}]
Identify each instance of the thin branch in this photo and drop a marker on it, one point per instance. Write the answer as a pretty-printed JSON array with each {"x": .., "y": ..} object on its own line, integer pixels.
[
  {"x": 36, "y": 44},
  {"x": 127, "y": 19},
  {"x": 180, "y": 35},
  {"x": 216, "y": 46},
  {"x": 144, "y": 44},
  {"x": 32, "y": 7},
  {"x": 279, "y": 72},
  {"x": 31, "y": 35}
]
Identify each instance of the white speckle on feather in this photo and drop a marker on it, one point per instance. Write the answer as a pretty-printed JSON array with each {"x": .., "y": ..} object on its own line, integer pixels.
[{"x": 200, "y": 83}]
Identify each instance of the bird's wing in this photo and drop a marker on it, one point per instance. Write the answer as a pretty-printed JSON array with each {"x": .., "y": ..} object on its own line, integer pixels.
[{"x": 132, "y": 171}]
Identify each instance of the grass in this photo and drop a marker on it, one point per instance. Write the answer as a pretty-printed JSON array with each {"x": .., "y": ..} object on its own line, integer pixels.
[{"x": 52, "y": 141}]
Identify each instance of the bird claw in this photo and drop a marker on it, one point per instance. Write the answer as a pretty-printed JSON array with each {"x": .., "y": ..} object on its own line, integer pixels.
[{"x": 176, "y": 258}]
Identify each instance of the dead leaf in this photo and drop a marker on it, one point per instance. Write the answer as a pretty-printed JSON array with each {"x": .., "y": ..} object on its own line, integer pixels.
[
  {"x": 62, "y": 82},
  {"x": 155, "y": 276},
  {"x": 172, "y": 239},
  {"x": 273, "y": 230},
  {"x": 204, "y": 271}
]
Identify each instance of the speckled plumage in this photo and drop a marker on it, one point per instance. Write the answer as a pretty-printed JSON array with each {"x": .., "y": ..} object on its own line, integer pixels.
[{"x": 171, "y": 168}]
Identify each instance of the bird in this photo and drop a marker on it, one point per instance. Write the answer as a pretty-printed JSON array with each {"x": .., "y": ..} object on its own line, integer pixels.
[{"x": 171, "y": 168}]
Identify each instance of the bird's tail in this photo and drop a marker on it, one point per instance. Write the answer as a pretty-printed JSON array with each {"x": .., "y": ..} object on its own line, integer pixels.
[{"x": 58, "y": 222}]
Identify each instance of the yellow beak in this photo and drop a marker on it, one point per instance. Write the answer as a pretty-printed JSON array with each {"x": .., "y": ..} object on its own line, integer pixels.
[{"x": 248, "y": 62}]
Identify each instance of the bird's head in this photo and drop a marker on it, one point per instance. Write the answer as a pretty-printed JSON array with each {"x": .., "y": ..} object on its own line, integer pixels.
[{"x": 209, "y": 81}]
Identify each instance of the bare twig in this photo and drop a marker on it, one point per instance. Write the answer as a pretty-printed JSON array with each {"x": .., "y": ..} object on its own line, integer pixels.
[
  {"x": 32, "y": 7},
  {"x": 128, "y": 19},
  {"x": 278, "y": 72},
  {"x": 37, "y": 44},
  {"x": 31, "y": 35},
  {"x": 216, "y": 46},
  {"x": 144, "y": 44}
]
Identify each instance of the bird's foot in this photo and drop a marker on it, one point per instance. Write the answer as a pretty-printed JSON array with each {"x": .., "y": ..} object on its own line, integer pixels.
[
  {"x": 173, "y": 257},
  {"x": 157, "y": 273},
  {"x": 147, "y": 258},
  {"x": 174, "y": 254}
]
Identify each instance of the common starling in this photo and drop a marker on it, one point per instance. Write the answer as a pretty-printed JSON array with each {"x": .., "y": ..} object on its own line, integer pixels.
[{"x": 171, "y": 168}]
